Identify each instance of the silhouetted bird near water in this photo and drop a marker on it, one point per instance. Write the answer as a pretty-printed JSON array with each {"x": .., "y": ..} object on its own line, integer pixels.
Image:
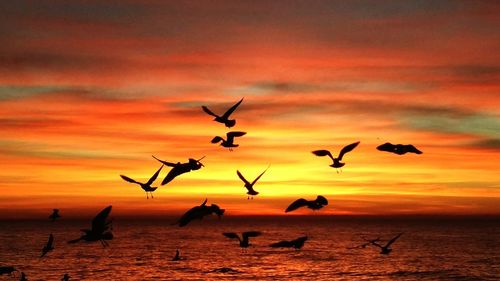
[
  {"x": 297, "y": 243},
  {"x": 177, "y": 256},
  {"x": 225, "y": 117},
  {"x": 316, "y": 204},
  {"x": 249, "y": 186},
  {"x": 100, "y": 231},
  {"x": 385, "y": 250},
  {"x": 199, "y": 212},
  {"x": 229, "y": 141},
  {"x": 244, "y": 241},
  {"x": 180, "y": 168},
  {"x": 55, "y": 215},
  {"x": 336, "y": 161},
  {"x": 49, "y": 246},
  {"x": 145, "y": 186},
  {"x": 399, "y": 149},
  {"x": 65, "y": 277}
]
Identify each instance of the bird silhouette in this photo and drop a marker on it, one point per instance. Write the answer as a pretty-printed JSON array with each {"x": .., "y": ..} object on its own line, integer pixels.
[
  {"x": 199, "y": 212},
  {"x": 145, "y": 186},
  {"x": 249, "y": 186},
  {"x": 180, "y": 168},
  {"x": 385, "y": 250},
  {"x": 225, "y": 117},
  {"x": 49, "y": 246},
  {"x": 297, "y": 243},
  {"x": 177, "y": 256},
  {"x": 316, "y": 204},
  {"x": 244, "y": 241},
  {"x": 336, "y": 161},
  {"x": 399, "y": 149},
  {"x": 229, "y": 141},
  {"x": 65, "y": 277},
  {"x": 55, "y": 215},
  {"x": 100, "y": 231}
]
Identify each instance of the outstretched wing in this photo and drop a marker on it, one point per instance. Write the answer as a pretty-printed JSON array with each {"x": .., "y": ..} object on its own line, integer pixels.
[
  {"x": 242, "y": 177},
  {"x": 346, "y": 149},
  {"x": 411, "y": 148},
  {"x": 322, "y": 153},
  {"x": 174, "y": 172},
  {"x": 216, "y": 139},
  {"x": 283, "y": 243},
  {"x": 257, "y": 178},
  {"x": 129, "y": 179},
  {"x": 231, "y": 235},
  {"x": 393, "y": 240},
  {"x": 170, "y": 164},
  {"x": 251, "y": 234},
  {"x": 50, "y": 243},
  {"x": 99, "y": 223},
  {"x": 389, "y": 147},
  {"x": 153, "y": 178},
  {"x": 208, "y": 111},
  {"x": 230, "y": 110},
  {"x": 321, "y": 200},
  {"x": 296, "y": 204},
  {"x": 231, "y": 135}
]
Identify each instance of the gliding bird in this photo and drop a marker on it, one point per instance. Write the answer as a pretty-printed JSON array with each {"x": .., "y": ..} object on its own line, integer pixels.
[
  {"x": 225, "y": 117},
  {"x": 336, "y": 161},
  {"x": 49, "y": 247},
  {"x": 199, "y": 212},
  {"x": 316, "y": 204},
  {"x": 399, "y": 149},
  {"x": 249, "y": 186},
  {"x": 180, "y": 168},
  {"x": 229, "y": 141},
  {"x": 244, "y": 242},
  {"x": 385, "y": 250},
  {"x": 100, "y": 231},
  {"x": 145, "y": 186}
]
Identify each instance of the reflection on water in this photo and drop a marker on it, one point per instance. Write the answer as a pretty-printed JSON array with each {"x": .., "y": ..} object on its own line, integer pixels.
[{"x": 456, "y": 249}]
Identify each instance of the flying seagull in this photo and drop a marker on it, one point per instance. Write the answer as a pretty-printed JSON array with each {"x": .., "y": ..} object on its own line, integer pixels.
[
  {"x": 297, "y": 243},
  {"x": 244, "y": 243},
  {"x": 225, "y": 117},
  {"x": 249, "y": 186},
  {"x": 145, "y": 186},
  {"x": 49, "y": 246},
  {"x": 399, "y": 149},
  {"x": 316, "y": 204},
  {"x": 100, "y": 231},
  {"x": 199, "y": 212},
  {"x": 180, "y": 168},
  {"x": 229, "y": 141},
  {"x": 385, "y": 250},
  {"x": 55, "y": 215},
  {"x": 336, "y": 161}
]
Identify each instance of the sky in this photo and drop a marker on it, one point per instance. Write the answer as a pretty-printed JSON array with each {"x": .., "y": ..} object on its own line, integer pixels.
[{"x": 90, "y": 90}]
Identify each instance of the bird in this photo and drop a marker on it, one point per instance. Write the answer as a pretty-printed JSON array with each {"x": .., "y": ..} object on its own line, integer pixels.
[
  {"x": 55, "y": 215},
  {"x": 177, "y": 256},
  {"x": 316, "y": 204},
  {"x": 199, "y": 212},
  {"x": 297, "y": 243},
  {"x": 145, "y": 186},
  {"x": 244, "y": 242},
  {"x": 225, "y": 117},
  {"x": 180, "y": 168},
  {"x": 100, "y": 231},
  {"x": 399, "y": 149},
  {"x": 385, "y": 250},
  {"x": 336, "y": 161},
  {"x": 249, "y": 186},
  {"x": 49, "y": 246},
  {"x": 229, "y": 141},
  {"x": 368, "y": 242},
  {"x": 65, "y": 277}
]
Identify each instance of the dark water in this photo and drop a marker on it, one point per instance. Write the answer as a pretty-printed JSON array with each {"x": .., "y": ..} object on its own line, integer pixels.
[{"x": 439, "y": 249}]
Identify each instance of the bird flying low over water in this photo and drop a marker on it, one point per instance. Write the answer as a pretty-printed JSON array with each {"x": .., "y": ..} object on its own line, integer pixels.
[
  {"x": 244, "y": 242},
  {"x": 225, "y": 117},
  {"x": 229, "y": 141},
  {"x": 249, "y": 186},
  {"x": 385, "y": 250},
  {"x": 180, "y": 168},
  {"x": 199, "y": 212},
  {"x": 145, "y": 186},
  {"x": 399, "y": 149},
  {"x": 297, "y": 243},
  {"x": 55, "y": 215},
  {"x": 49, "y": 246},
  {"x": 336, "y": 161},
  {"x": 316, "y": 204},
  {"x": 100, "y": 231}
]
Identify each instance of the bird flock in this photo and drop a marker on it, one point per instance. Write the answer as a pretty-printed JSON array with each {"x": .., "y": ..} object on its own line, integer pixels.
[{"x": 101, "y": 228}]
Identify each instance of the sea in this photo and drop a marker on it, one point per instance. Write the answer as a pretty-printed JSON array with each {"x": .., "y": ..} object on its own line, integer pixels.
[{"x": 430, "y": 248}]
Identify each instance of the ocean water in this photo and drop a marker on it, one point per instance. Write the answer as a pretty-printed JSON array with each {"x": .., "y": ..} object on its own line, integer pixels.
[{"x": 436, "y": 249}]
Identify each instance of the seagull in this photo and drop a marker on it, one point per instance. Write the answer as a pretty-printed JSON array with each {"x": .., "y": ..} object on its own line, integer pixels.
[
  {"x": 336, "y": 161},
  {"x": 385, "y": 250},
  {"x": 177, "y": 256},
  {"x": 297, "y": 243},
  {"x": 199, "y": 212},
  {"x": 100, "y": 230},
  {"x": 65, "y": 277},
  {"x": 249, "y": 186},
  {"x": 399, "y": 149},
  {"x": 49, "y": 247},
  {"x": 229, "y": 141},
  {"x": 146, "y": 186},
  {"x": 244, "y": 243},
  {"x": 225, "y": 117},
  {"x": 55, "y": 215},
  {"x": 316, "y": 204},
  {"x": 180, "y": 168}
]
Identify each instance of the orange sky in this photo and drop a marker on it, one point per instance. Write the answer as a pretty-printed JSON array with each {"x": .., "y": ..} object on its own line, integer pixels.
[{"x": 90, "y": 90}]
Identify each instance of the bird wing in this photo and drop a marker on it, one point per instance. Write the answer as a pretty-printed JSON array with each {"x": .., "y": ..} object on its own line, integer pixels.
[
  {"x": 153, "y": 178},
  {"x": 50, "y": 243},
  {"x": 99, "y": 223},
  {"x": 411, "y": 148},
  {"x": 322, "y": 152},
  {"x": 321, "y": 200},
  {"x": 251, "y": 234},
  {"x": 242, "y": 177},
  {"x": 231, "y": 135},
  {"x": 129, "y": 179},
  {"x": 346, "y": 149},
  {"x": 280, "y": 244},
  {"x": 389, "y": 147},
  {"x": 231, "y": 235},
  {"x": 174, "y": 172},
  {"x": 231, "y": 110},
  {"x": 208, "y": 111},
  {"x": 204, "y": 203},
  {"x": 393, "y": 240},
  {"x": 191, "y": 214},
  {"x": 216, "y": 139},
  {"x": 296, "y": 204},
  {"x": 170, "y": 164},
  {"x": 257, "y": 178}
]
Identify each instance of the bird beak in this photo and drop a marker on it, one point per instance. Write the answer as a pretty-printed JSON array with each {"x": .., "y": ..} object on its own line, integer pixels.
[{"x": 200, "y": 160}]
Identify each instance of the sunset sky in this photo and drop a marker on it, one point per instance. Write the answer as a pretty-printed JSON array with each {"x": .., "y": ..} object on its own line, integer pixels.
[{"x": 90, "y": 90}]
